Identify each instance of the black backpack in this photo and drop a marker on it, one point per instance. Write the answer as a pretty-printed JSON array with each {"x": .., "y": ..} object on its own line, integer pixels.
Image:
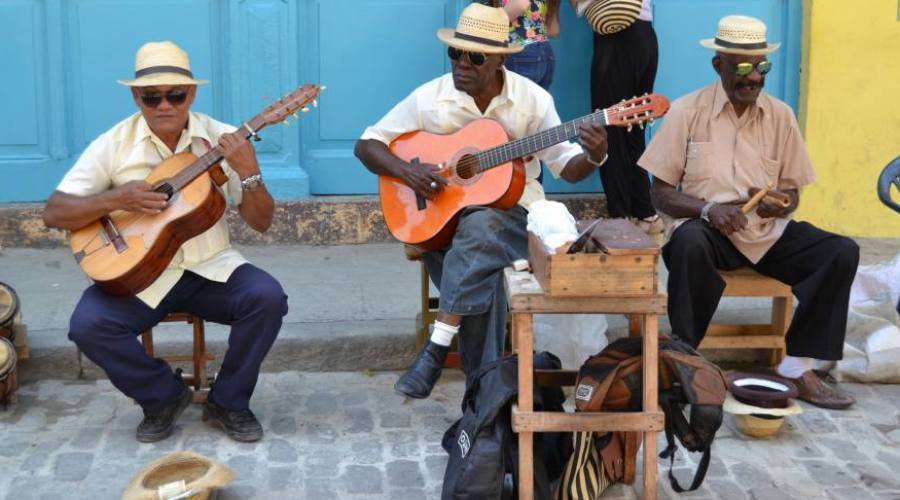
[{"x": 482, "y": 446}]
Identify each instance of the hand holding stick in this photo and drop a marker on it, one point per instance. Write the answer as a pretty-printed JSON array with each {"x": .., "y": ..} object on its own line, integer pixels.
[{"x": 752, "y": 202}]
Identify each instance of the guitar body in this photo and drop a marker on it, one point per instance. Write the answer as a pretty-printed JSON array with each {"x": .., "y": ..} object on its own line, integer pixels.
[
  {"x": 430, "y": 224},
  {"x": 147, "y": 242}
]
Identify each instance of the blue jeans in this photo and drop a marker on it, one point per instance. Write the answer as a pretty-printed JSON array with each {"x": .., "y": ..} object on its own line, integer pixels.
[
  {"x": 536, "y": 62},
  {"x": 105, "y": 328},
  {"x": 469, "y": 275}
]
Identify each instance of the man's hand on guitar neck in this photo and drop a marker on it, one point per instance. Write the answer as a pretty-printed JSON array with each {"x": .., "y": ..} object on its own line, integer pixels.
[
  {"x": 424, "y": 179},
  {"x": 239, "y": 154}
]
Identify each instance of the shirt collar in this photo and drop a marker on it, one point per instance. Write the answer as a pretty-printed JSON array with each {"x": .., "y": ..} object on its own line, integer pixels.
[
  {"x": 720, "y": 100},
  {"x": 194, "y": 131}
]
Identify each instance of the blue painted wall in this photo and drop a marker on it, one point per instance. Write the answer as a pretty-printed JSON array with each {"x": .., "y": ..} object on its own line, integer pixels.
[{"x": 62, "y": 58}]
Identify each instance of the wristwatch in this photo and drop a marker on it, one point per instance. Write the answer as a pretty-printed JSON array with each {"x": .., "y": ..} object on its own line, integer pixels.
[
  {"x": 704, "y": 212},
  {"x": 252, "y": 183}
]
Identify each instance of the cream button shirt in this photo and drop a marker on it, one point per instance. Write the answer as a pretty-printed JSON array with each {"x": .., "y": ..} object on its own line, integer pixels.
[
  {"x": 128, "y": 152},
  {"x": 523, "y": 108},
  {"x": 714, "y": 155}
]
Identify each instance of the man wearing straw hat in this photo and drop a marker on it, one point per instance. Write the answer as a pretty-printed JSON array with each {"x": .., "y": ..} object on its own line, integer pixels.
[
  {"x": 469, "y": 271},
  {"x": 206, "y": 277},
  {"x": 722, "y": 144}
]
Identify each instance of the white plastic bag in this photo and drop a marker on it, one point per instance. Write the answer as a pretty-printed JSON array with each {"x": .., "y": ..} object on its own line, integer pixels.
[
  {"x": 552, "y": 223},
  {"x": 571, "y": 337}
]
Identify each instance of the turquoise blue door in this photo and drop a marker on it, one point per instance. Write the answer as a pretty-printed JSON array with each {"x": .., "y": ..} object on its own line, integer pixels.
[{"x": 62, "y": 57}]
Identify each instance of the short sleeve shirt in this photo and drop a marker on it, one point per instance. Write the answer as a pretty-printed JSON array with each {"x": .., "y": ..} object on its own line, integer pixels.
[
  {"x": 129, "y": 151},
  {"x": 712, "y": 154},
  {"x": 523, "y": 108}
]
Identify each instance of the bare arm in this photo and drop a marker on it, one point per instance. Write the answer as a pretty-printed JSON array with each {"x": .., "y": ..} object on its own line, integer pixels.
[
  {"x": 257, "y": 207},
  {"x": 376, "y": 156},
  {"x": 70, "y": 212},
  {"x": 593, "y": 139},
  {"x": 726, "y": 218}
]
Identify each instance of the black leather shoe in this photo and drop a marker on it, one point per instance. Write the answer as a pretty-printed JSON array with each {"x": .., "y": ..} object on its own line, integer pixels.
[
  {"x": 240, "y": 425},
  {"x": 158, "y": 425},
  {"x": 425, "y": 371}
]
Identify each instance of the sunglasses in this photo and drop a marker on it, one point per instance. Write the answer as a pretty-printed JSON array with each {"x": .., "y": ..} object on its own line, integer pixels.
[
  {"x": 175, "y": 98},
  {"x": 476, "y": 58},
  {"x": 745, "y": 68}
]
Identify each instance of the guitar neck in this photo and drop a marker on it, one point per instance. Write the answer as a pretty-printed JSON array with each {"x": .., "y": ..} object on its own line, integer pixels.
[
  {"x": 201, "y": 165},
  {"x": 519, "y": 148}
]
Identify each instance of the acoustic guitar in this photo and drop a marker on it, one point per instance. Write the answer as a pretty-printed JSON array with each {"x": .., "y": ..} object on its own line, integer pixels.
[
  {"x": 482, "y": 168},
  {"x": 124, "y": 252}
]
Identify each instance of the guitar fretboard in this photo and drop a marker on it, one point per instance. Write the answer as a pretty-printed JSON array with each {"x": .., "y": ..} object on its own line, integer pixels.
[{"x": 525, "y": 146}]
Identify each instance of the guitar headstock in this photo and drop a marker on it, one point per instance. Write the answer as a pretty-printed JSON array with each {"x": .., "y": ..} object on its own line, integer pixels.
[
  {"x": 637, "y": 111},
  {"x": 288, "y": 105}
]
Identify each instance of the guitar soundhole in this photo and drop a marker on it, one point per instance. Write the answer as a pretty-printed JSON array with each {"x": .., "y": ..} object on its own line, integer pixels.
[
  {"x": 166, "y": 189},
  {"x": 467, "y": 167}
]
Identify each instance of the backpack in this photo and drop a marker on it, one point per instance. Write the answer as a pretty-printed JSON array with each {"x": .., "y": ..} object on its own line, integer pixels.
[
  {"x": 484, "y": 451},
  {"x": 612, "y": 381}
]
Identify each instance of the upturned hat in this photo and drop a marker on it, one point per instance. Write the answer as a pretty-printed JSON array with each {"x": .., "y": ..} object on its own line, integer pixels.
[
  {"x": 741, "y": 35},
  {"x": 480, "y": 29},
  {"x": 161, "y": 63},
  {"x": 183, "y": 474}
]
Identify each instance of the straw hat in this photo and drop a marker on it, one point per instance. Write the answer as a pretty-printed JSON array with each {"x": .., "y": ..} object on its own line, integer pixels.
[
  {"x": 759, "y": 403},
  {"x": 161, "y": 63},
  {"x": 174, "y": 475},
  {"x": 740, "y": 35},
  {"x": 480, "y": 29}
]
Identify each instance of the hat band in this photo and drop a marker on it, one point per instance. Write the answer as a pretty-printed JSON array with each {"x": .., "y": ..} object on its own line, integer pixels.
[
  {"x": 163, "y": 69},
  {"x": 732, "y": 45},
  {"x": 486, "y": 41}
]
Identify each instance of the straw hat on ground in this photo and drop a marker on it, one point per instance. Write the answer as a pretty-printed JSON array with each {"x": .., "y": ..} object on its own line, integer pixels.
[
  {"x": 161, "y": 63},
  {"x": 177, "y": 474},
  {"x": 480, "y": 29},
  {"x": 741, "y": 35},
  {"x": 765, "y": 403}
]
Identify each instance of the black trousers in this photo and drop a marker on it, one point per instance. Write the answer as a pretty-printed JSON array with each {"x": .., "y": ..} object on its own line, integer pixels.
[
  {"x": 818, "y": 265},
  {"x": 624, "y": 66}
]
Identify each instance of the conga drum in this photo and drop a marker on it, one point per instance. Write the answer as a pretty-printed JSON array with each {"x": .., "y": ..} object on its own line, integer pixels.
[
  {"x": 9, "y": 307},
  {"x": 7, "y": 369}
]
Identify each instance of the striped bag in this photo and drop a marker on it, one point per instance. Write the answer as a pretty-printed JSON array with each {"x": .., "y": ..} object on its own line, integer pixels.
[
  {"x": 584, "y": 477},
  {"x": 611, "y": 16}
]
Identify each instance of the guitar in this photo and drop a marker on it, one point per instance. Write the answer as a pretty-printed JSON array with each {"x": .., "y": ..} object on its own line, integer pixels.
[
  {"x": 482, "y": 167},
  {"x": 124, "y": 252}
]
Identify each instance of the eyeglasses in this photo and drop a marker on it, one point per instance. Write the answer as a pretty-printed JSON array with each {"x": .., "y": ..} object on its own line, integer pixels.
[
  {"x": 476, "y": 58},
  {"x": 745, "y": 68},
  {"x": 175, "y": 97}
]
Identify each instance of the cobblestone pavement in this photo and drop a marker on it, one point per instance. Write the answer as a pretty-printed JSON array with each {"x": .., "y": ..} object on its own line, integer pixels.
[{"x": 347, "y": 435}]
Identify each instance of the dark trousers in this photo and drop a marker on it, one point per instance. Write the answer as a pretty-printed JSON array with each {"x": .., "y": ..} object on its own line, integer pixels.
[
  {"x": 624, "y": 66},
  {"x": 818, "y": 265},
  {"x": 106, "y": 327},
  {"x": 469, "y": 275}
]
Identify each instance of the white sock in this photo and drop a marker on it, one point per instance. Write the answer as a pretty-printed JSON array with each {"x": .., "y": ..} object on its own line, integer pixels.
[
  {"x": 442, "y": 333},
  {"x": 793, "y": 367}
]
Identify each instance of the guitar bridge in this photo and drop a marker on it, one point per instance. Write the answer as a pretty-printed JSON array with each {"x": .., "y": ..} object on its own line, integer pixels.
[{"x": 111, "y": 233}]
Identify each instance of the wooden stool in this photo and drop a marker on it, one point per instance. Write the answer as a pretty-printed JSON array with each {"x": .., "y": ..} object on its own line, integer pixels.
[
  {"x": 199, "y": 378},
  {"x": 746, "y": 282}
]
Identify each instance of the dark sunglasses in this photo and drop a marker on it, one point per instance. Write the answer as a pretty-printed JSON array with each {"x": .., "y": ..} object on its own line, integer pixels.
[
  {"x": 745, "y": 68},
  {"x": 476, "y": 58},
  {"x": 175, "y": 98}
]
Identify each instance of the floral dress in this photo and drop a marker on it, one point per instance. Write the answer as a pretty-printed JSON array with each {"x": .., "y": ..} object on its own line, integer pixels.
[{"x": 530, "y": 27}]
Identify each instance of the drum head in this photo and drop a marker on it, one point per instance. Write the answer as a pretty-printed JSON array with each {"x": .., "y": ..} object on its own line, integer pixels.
[
  {"x": 9, "y": 304},
  {"x": 7, "y": 357}
]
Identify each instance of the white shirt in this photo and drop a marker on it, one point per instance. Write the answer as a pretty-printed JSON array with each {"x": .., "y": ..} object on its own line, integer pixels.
[
  {"x": 523, "y": 108},
  {"x": 128, "y": 152}
]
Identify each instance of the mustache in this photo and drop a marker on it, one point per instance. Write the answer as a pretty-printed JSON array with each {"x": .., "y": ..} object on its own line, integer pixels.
[{"x": 746, "y": 84}]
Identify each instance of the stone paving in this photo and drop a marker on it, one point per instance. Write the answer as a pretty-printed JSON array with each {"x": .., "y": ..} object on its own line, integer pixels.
[{"x": 347, "y": 435}]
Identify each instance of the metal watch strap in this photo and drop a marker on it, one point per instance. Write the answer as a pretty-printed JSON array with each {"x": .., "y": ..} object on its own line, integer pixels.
[{"x": 252, "y": 183}]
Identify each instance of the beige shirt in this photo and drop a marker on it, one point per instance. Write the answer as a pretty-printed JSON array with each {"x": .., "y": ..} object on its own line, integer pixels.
[
  {"x": 522, "y": 108},
  {"x": 128, "y": 152},
  {"x": 713, "y": 155}
]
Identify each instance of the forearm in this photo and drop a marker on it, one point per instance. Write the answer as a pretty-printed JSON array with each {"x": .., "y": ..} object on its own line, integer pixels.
[
  {"x": 257, "y": 209},
  {"x": 674, "y": 203},
  {"x": 578, "y": 168},
  {"x": 70, "y": 212},
  {"x": 376, "y": 157}
]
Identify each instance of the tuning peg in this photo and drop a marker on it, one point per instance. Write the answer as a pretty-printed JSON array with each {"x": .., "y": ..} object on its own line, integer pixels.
[
  {"x": 304, "y": 109},
  {"x": 315, "y": 103},
  {"x": 285, "y": 122},
  {"x": 629, "y": 127},
  {"x": 322, "y": 87},
  {"x": 296, "y": 117},
  {"x": 641, "y": 125}
]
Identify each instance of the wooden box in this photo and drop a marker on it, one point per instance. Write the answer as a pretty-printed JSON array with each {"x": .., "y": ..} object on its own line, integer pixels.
[{"x": 626, "y": 268}]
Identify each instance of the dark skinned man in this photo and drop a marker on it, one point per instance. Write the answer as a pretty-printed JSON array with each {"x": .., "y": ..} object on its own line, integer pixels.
[
  {"x": 717, "y": 146},
  {"x": 206, "y": 278},
  {"x": 469, "y": 271}
]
